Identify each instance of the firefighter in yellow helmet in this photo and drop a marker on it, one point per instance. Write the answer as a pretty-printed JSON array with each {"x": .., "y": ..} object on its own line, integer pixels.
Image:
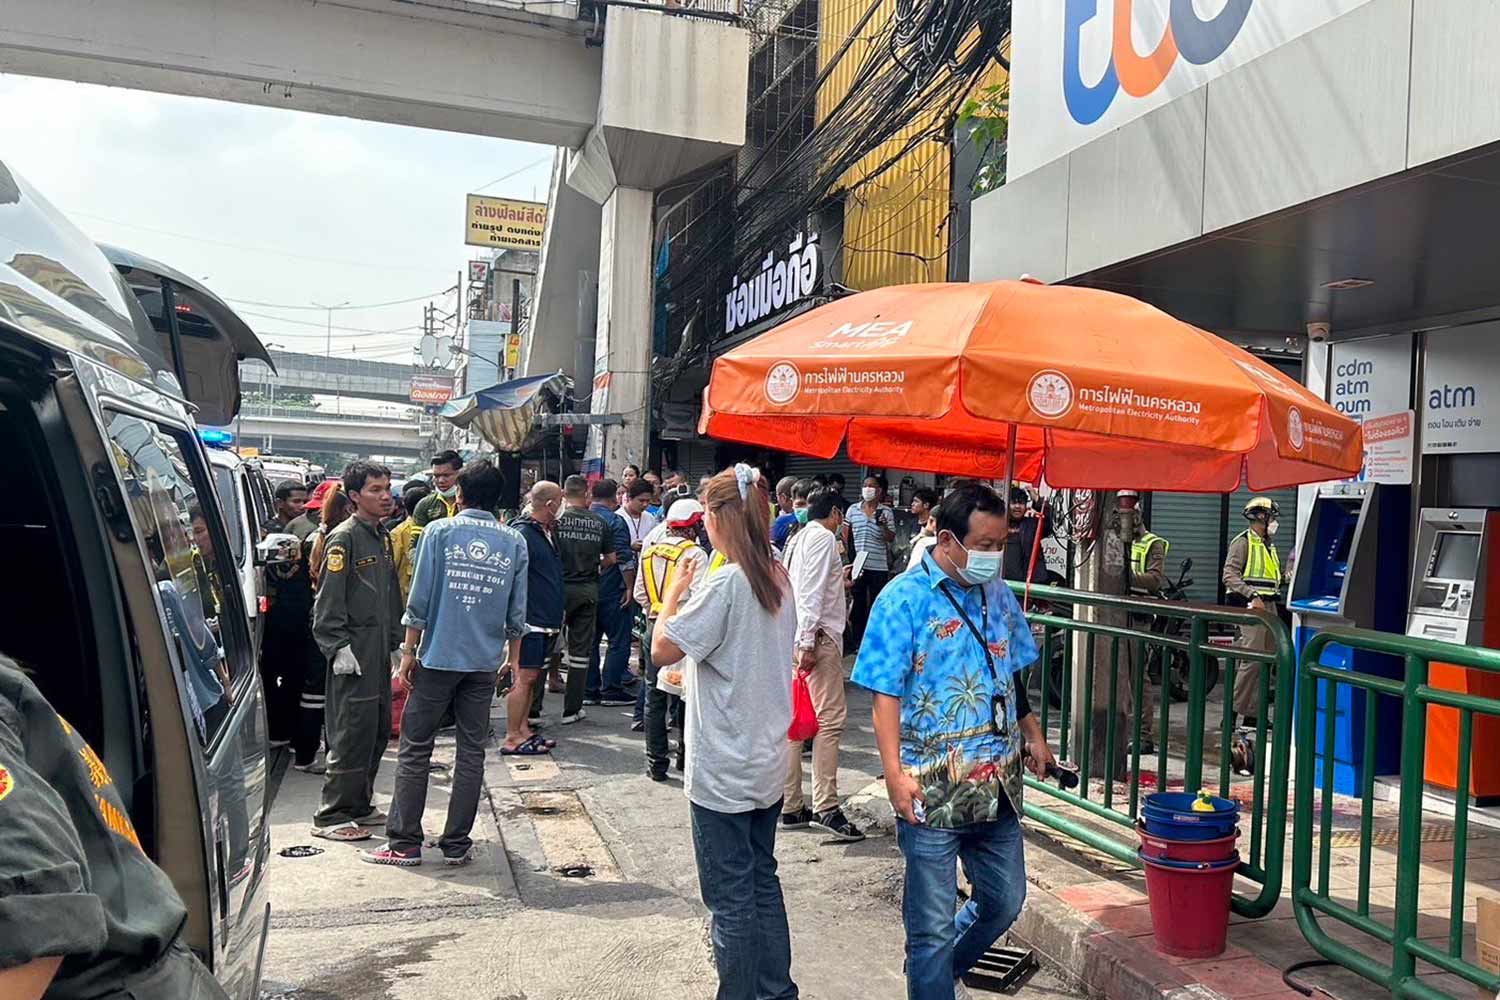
[{"x": 1253, "y": 578}]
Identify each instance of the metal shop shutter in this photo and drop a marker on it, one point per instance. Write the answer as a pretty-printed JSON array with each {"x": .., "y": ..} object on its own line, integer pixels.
[{"x": 1190, "y": 522}]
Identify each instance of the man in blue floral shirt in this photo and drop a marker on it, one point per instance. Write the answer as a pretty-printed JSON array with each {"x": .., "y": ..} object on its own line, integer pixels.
[{"x": 941, "y": 654}]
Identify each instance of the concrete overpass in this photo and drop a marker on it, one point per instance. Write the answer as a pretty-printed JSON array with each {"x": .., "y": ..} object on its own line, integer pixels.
[
  {"x": 292, "y": 431},
  {"x": 316, "y": 373},
  {"x": 640, "y": 95}
]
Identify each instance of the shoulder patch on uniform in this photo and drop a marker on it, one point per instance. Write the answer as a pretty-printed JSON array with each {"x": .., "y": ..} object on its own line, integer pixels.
[
  {"x": 6, "y": 783},
  {"x": 336, "y": 561},
  {"x": 366, "y": 561}
]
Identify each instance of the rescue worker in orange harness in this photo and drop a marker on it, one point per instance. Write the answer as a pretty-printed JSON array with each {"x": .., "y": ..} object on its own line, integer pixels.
[{"x": 660, "y": 561}]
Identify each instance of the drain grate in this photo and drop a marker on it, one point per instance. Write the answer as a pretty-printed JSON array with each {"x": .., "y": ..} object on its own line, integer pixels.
[
  {"x": 1432, "y": 833},
  {"x": 999, "y": 969},
  {"x": 579, "y": 870}
]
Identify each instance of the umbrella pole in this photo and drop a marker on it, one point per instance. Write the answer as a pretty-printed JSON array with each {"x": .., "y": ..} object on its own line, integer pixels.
[{"x": 1010, "y": 475}]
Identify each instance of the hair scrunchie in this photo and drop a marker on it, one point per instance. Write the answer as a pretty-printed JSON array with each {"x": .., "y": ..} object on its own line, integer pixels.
[{"x": 744, "y": 476}]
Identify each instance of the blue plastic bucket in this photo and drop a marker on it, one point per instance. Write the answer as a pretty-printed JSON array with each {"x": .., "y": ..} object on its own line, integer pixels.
[{"x": 1170, "y": 815}]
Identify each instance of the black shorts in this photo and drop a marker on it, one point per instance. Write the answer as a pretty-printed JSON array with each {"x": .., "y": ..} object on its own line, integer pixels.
[{"x": 536, "y": 649}]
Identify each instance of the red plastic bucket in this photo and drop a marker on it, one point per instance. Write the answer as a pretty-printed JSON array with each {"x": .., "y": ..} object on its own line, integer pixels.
[
  {"x": 1161, "y": 849},
  {"x": 1190, "y": 905}
]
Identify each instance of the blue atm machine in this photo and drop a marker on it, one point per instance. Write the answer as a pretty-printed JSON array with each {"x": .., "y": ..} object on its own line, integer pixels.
[{"x": 1351, "y": 570}]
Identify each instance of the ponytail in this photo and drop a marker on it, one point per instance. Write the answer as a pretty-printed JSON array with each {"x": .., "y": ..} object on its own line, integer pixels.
[{"x": 742, "y": 516}]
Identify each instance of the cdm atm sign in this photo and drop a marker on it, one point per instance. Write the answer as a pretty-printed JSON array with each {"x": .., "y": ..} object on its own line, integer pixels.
[{"x": 1371, "y": 377}]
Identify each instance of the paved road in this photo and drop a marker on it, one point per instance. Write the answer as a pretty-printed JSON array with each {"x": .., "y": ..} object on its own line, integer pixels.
[{"x": 515, "y": 927}]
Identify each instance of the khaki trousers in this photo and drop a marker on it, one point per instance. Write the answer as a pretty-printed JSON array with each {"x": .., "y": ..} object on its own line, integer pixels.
[
  {"x": 1247, "y": 672},
  {"x": 826, "y": 685}
]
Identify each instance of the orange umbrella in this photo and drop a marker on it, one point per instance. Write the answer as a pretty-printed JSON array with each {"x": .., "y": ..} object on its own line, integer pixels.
[{"x": 1096, "y": 390}]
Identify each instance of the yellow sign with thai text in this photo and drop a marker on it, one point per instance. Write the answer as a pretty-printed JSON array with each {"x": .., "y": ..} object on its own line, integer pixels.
[{"x": 505, "y": 223}]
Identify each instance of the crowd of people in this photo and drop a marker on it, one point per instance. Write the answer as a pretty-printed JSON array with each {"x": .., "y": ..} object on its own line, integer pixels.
[{"x": 691, "y": 608}]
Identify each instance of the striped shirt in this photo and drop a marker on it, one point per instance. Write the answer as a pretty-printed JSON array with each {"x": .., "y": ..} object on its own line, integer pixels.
[{"x": 869, "y": 535}]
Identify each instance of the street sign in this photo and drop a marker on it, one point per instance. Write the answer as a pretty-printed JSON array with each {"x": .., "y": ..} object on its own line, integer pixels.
[
  {"x": 504, "y": 223},
  {"x": 513, "y": 350},
  {"x": 431, "y": 388}
]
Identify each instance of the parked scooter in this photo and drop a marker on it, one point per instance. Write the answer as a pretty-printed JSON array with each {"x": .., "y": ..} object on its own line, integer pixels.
[{"x": 1179, "y": 663}]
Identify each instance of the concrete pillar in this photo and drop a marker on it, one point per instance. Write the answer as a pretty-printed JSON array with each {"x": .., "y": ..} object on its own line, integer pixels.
[{"x": 622, "y": 345}]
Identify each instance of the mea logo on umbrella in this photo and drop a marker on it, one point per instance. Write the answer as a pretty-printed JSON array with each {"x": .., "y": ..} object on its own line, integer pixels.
[
  {"x": 1294, "y": 428},
  {"x": 1050, "y": 393},
  {"x": 783, "y": 382}
]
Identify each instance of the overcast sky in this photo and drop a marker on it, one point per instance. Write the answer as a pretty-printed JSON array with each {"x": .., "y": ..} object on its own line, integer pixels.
[{"x": 268, "y": 205}]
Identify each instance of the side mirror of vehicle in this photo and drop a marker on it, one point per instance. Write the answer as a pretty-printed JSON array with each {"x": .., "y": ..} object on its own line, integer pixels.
[
  {"x": 1187, "y": 564},
  {"x": 277, "y": 547}
]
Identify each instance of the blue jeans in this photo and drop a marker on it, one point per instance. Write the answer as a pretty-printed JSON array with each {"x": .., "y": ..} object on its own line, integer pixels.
[
  {"x": 942, "y": 945},
  {"x": 615, "y": 624},
  {"x": 737, "y": 876}
]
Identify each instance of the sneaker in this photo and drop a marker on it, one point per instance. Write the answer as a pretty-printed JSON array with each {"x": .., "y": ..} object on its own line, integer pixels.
[
  {"x": 612, "y": 701},
  {"x": 591, "y": 699},
  {"x": 318, "y": 765},
  {"x": 638, "y": 726},
  {"x": 388, "y": 855},
  {"x": 372, "y": 818},
  {"x": 459, "y": 860},
  {"x": 799, "y": 820},
  {"x": 656, "y": 775},
  {"x": 834, "y": 822},
  {"x": 577, "y": 716}
]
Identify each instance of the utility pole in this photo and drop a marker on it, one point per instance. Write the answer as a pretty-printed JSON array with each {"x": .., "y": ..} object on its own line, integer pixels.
[
  {"x": 515, "y": 319},
  {"x": 338, "y": 397}
]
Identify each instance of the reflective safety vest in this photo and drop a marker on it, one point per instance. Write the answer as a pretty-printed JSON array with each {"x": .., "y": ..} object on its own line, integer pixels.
[
  {"x": 1140, "y": 551},
  {"x": 1262, "y": 566},
  {"x": 669, "y": 552},
  {"x": 717, "y": 560}
]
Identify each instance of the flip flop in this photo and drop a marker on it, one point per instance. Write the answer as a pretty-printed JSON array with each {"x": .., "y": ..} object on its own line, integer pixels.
[
  {"x": 529, "y": 748},
  {"x": 344, "y": 832}
]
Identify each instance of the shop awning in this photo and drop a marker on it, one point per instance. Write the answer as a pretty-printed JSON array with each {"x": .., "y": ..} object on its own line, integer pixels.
[{"x": 506, "y": 414}]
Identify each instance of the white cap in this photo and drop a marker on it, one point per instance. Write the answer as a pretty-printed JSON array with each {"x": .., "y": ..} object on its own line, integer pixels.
[
  {"x": 1132, "y": 494},
  {"x": 683, "y": 512}
]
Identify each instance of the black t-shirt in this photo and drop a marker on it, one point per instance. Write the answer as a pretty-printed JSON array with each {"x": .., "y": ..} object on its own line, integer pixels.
[
  {"x": 74, "y": 881},
  {"x": 582, "y": 537}
]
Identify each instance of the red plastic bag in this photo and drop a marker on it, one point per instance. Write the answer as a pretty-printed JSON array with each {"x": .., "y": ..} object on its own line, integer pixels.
[
  {"x": 399, "y": 692},
  {"x": 804, "y": 719}
]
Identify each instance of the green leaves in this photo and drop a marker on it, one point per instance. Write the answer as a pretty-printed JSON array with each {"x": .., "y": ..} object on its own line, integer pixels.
[{"x": 984, "y": 120}]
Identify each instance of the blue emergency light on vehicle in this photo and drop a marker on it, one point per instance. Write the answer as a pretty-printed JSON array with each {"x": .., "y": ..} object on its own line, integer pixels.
[{"x": 215, "y": 437}]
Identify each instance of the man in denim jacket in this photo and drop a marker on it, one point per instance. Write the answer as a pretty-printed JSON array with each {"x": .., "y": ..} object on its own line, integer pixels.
[{"x": 464, "y": 621}]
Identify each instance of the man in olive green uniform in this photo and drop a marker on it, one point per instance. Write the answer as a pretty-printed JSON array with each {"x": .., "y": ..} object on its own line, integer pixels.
[
  {"x": 586, "y": 544},
  {"x": 443, "y": 500},
  {"x": 1148, "y": 576},
  {"x": 1252, "y": 578},
  {"x": 85, "y": 913},
  {"x": 357, "y": 623}
]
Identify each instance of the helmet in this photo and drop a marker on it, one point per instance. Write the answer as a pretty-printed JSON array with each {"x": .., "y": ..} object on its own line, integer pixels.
[
  {"x": 1127, "y": 494},
  {"x": 684, "y": 513},
  {"x": 1261, "y": 507}
]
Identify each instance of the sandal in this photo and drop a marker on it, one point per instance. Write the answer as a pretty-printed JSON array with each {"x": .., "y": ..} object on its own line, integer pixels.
[
  {"x": 344, "y": 832},
  {"x": 534, "y": 747}
]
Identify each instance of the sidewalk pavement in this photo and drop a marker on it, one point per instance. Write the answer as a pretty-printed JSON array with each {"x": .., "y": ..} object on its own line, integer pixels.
[{"x": 1088, "y": 914}]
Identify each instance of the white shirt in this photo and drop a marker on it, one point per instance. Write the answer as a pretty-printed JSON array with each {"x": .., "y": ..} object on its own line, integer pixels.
[
  {"x": 639, "y": 527},
  {"x": 922, "y": 544},
  {"x": 812, "y": 561}
]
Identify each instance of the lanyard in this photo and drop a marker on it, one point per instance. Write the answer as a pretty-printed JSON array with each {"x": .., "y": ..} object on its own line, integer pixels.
[{"x": 981, "y": 637}]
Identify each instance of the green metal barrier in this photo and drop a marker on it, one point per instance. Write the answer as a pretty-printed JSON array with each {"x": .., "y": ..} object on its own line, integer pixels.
[
  {"x": 1181, "y": 630},
  {"x": 1390, "y": 956}
]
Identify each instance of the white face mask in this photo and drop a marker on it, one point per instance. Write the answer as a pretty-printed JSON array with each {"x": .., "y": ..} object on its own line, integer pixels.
[
  {"x": 868, "y": 493},
  {"x": 1271, "y": 527}
]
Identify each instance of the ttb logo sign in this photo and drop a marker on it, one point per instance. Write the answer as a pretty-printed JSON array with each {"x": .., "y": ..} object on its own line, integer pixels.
[
  {"x": 1080, "y": 68},
  {"x": 1197, "y": 40}
]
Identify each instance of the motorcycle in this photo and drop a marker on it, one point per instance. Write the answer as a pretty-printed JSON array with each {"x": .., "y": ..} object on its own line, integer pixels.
[{"x": 1179, "y": 663}]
